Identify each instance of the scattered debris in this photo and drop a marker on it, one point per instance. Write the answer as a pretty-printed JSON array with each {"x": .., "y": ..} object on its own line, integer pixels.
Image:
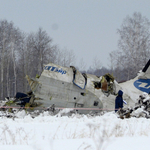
[{"x": 141, "y": 108}]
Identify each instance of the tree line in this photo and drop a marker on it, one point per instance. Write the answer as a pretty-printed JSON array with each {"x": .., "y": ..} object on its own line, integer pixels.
[
  {"x": 24, "y": 54},
  {"x": 133, "y": 49}
]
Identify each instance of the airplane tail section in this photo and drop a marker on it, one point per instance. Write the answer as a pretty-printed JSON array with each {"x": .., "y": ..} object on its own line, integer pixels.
[
  {"x": 146, "y": 69},
  {"x": 143, "y": 82},
  {"x": 139, "y": 84}
]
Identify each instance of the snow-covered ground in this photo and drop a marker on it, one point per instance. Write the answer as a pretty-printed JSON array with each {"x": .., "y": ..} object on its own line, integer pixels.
[{"x": 76, "y": 132}]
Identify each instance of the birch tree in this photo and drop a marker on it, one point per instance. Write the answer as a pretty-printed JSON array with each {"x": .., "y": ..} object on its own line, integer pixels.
[
  {"x": 133, "y": 44},
  {"x": 4, "y": 52},
  {"x": 82, "y": 65},
  {"x": 66, "y": 57},
  {"x": 42, "y": 48}
]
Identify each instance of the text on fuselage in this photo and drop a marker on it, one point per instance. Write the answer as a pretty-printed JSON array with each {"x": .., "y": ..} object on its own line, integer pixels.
[{"x": 55, "y": 69}]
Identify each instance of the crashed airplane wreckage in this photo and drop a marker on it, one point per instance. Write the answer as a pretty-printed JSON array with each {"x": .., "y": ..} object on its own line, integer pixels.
[{"x": 66, "y": 87}]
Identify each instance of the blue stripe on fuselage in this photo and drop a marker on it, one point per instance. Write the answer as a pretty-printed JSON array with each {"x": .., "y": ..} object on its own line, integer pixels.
[{"x": 143, "y": 85}]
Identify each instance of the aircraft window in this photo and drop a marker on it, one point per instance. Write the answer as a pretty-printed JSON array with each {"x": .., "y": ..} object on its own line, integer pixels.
[
  {"x": 83, "y": 94},
  {"x": 80, "y": 105},
  {"x": 62, "y": 82},
  {"x": 74, "y": 97},
  {"x": 95, "y": 103}
]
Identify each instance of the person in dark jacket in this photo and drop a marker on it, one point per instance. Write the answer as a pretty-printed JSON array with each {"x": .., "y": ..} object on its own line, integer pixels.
[{"x": 119, "y": 101}]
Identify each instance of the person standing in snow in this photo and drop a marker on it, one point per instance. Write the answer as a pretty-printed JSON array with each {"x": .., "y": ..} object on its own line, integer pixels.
[{"x": 119, "y": 101}]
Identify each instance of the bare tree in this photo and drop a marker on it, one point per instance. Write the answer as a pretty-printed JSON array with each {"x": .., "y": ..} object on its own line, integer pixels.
[
  {"x": 82, "y": 65},
  {"x": 25, "y": 54},
  {"x": 9, "y": 46},
  {"x": 66, "y": 57},
  {"x": 96, "y": 63},
  {"x": 133, "y": 44},
  {"x": 42, "y": 49},
  {"x": 4, "y": 53}
]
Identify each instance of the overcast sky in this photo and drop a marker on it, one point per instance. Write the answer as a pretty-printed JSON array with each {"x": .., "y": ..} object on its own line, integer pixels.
[{"x": 88, "y": 27}]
